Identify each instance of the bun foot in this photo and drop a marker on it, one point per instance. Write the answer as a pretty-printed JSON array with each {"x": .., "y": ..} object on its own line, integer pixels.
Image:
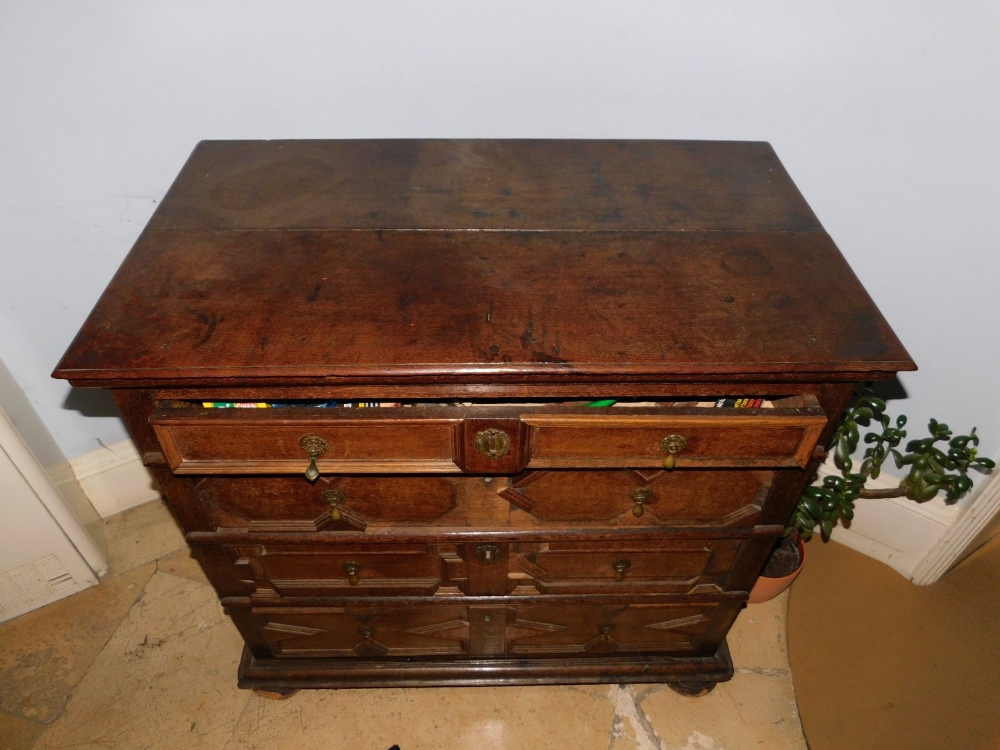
[{"x": 692, "y": 689}]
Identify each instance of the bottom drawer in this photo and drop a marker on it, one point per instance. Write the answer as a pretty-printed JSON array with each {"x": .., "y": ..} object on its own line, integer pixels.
[{"x": 512, "y": 628}]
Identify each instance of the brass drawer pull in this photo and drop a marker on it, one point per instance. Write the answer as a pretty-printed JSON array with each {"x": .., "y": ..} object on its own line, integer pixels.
[
  {"x": 605, "y": 631},
  {"x": 640, "y": 497},
  {"x": 315, "y": 446},
  {"x": 334, "y": 498},
  {"x": 672, "y": 445},
  {"x": 620, "y": 567},
  {"x": 367, "y": 633},
  {"x": 353, "y": 570},
  {"x": 493, "y": 443}
]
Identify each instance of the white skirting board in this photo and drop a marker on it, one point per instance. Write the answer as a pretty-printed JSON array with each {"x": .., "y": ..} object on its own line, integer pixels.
[
  {"x": 114, "y": 478},
  {"x": 919, "y": 540}
]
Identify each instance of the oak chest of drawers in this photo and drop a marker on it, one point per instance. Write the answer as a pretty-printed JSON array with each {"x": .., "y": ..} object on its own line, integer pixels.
[{"x": 481, "y": 514}]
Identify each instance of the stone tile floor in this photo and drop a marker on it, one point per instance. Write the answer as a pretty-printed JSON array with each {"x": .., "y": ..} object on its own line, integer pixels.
[{"x": 148, "y": 660}]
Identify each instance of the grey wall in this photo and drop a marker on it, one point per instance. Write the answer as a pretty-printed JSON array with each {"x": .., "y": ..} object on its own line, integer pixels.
[{"x": 886, "y": 115}]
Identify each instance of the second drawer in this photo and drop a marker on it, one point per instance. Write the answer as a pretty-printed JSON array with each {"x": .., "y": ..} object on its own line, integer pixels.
[{"x": 615, "y": 498}]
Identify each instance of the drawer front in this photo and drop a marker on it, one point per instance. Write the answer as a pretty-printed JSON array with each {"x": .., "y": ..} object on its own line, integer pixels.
[
  {"x": 480, "y": 440},
  {"x": 559, "y": 630},
  {"x": 533, "y": 500},
  {"x": 518, "y": 630},
  {"x": 361, "y": 632},
  {"x": 682, "y": 566},
  {"x": 640, "y": 441},
  {"x": 307, "y": 570},
  {"x": 339, "y": 503},
  {"x": 684, "y": 497},
  {"x": 214, "y": 444}
]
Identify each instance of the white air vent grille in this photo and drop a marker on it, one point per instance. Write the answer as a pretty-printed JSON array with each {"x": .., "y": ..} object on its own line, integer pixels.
[{"x": 32, "y": 582}]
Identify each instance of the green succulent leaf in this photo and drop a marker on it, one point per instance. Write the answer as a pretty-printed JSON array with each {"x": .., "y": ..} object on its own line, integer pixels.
[
  {"x": 871, "y": 401},
  {"x": 827, "y": 528},
  {"x": 811, "y": 507},
  {"x": 843, "y": 454},
  {"x": 930, "y": 470}
]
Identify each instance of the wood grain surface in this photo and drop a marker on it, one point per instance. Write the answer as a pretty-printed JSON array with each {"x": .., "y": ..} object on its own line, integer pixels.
[{"x": 715, "y": 268}]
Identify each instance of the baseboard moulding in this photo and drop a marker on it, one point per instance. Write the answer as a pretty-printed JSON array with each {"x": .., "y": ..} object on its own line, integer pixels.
[{"x": 114, "y": 478}]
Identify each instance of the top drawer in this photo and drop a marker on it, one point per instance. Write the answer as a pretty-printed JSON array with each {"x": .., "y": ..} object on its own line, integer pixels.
[{"x": 484, "y": 439}]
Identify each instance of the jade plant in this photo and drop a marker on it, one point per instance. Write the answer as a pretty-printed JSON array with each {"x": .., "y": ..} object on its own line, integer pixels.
[{"x": 937, "y": 463}]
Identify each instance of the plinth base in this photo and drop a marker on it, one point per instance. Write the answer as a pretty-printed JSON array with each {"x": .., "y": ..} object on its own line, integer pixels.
[{"x": 281, "y": 675}]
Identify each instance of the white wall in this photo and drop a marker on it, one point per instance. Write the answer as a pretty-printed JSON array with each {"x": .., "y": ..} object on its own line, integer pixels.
[{"x": 885, "y": 113}]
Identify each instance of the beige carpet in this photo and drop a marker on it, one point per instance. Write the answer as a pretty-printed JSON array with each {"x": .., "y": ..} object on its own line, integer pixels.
[{"x": 878, "y": 662}]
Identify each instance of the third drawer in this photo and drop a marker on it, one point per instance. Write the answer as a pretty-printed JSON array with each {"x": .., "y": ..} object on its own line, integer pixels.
[{"x": 280, "y": 570}]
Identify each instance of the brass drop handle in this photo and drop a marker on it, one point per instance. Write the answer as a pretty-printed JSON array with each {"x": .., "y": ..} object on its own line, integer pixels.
[
  {"x": 314, "y": 446},
  {"x": 605, "y": 631},
  {"x": 368, "y": 633},
  {"x": 672, "y": 445},
  {"x": 334, "y": 498},
  {"x": 640, "y": 497},
  {"x": 353, "y": 570},
  {"x": 620, "y": 567}
]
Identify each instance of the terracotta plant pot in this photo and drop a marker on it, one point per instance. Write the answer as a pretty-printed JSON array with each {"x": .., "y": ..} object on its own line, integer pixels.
[{"x": 767, "y": 588}]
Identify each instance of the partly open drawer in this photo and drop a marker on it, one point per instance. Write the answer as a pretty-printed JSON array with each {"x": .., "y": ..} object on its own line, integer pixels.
[{"x": 484, "y": 438}]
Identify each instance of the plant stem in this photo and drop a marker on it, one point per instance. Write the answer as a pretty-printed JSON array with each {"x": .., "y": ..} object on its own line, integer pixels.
[{"x": 891, "y": 492}]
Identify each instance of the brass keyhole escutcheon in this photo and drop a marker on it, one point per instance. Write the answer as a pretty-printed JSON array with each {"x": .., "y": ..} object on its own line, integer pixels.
[
  {"x": 672, "y": 445},
  {"x": 620, "y": 566},
  {"x": 605, "y": 631},
  {"x": 493, "y": 443},
  {"x": 353, "y": 570},
  {"x": 640, "y": 497},
  {"x": 334, "y": 498},
  {"x": 314, "y": 446},
  {"x": 488, "y": 554}
]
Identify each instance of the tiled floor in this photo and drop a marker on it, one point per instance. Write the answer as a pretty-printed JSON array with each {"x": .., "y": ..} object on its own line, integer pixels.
[{"x": 148, "y": 660}]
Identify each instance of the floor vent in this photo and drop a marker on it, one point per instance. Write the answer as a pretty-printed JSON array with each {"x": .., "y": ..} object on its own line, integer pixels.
[{"x": 33, "y": 582}]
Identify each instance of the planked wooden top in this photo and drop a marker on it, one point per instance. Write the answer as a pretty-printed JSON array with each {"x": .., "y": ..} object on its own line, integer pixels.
[{"x": 376, "y": 261}]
